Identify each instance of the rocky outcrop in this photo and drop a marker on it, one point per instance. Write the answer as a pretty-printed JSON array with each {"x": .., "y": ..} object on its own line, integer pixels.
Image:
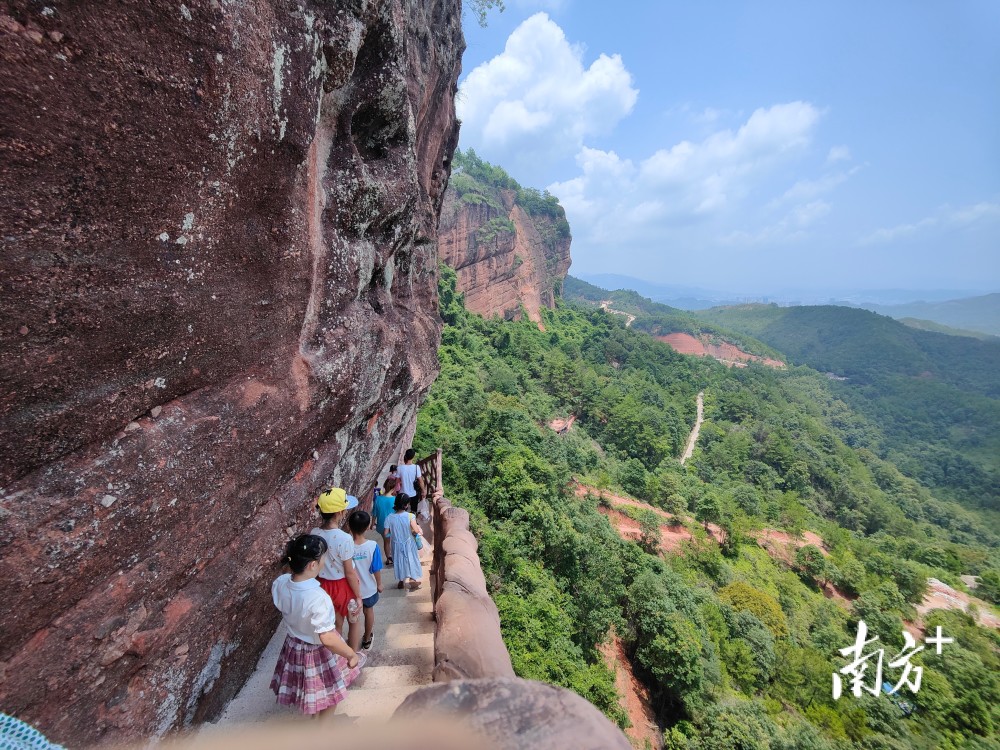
[
  {"x": 513, "y": 714},
  {"x": 219, "y": 295},
  {"x": 506, "y": 258}
]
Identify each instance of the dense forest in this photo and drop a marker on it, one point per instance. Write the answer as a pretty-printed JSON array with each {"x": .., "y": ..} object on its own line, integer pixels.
[
  {"x": 935, "y": 397},
  {"x": 736, "y": 645}
]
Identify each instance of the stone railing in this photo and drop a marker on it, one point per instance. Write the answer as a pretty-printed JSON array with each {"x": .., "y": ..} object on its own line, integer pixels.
[
  {"x": 467, "y": 640},
  {"x": 476, "y": 688},
  {"x": 430, "y": 470}
]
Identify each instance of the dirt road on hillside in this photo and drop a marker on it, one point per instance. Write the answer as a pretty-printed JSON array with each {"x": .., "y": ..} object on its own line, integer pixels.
[
  {"x": 693, "y": 438},
  {"x": 629, "y": 318}
]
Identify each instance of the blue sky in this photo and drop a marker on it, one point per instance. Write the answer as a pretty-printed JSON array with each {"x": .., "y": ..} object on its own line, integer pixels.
[{"x": 752, "y": 147}]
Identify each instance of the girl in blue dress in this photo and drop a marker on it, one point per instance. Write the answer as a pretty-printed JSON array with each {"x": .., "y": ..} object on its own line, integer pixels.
[{"x": 401, "y": 528}]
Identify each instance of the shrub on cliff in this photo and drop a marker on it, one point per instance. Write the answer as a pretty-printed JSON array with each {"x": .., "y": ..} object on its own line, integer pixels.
[{"x": 760, "y": 604}]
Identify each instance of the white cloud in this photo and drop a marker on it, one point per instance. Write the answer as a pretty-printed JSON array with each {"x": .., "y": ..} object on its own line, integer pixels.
[
  {"x": 946, "y": 217},
  {"x": 807, "y": 189},
  {"x": 977, "y": 212},
  {"x": 790, "y": 228},
  {"x": 688, "y": 182},
  {"x": 810, "y": 213},
  {"x": 838, "y": 153},
  {"x": 536, "y": 100}
]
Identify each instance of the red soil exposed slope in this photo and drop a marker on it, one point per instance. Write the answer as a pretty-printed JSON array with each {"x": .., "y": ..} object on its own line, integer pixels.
[
  {"x": 633, "y": 696},
  {"x": 725, "y": 352}
]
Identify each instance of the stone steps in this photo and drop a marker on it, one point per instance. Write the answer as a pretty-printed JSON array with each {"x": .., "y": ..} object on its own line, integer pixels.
[{"x": 400, "y": 661}]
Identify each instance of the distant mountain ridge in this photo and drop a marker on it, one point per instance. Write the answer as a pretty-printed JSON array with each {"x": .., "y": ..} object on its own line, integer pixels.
[
  {"x": 687, "y": 297},
  {"x": 935, "y": 395},
  {"x": 930, "y": 325},
  {"x": 660, "y": 320},
  {"x": 981, "y": 314}
]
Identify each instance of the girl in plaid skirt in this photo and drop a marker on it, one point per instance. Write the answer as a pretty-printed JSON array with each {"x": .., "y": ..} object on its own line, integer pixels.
[{"x": 316, "y": 665}]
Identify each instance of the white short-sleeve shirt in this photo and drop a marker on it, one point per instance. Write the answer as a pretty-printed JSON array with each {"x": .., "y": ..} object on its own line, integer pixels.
[
  {"x": 341, "y": 547},
  {"x": 307, "y": 608},
  {"x": 408, "y": 474}
]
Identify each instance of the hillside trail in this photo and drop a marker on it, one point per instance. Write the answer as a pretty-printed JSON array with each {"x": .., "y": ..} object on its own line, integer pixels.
[
  {"x": 400, "y": 661},
  {"x": 693, "y": 437},
  {"x": 629, "y": 318}
]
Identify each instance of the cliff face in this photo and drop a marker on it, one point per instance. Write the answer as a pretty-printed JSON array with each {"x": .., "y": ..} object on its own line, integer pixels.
[
  {"x": 504, "y": 256},
  {"x": 219, "y": 295}
]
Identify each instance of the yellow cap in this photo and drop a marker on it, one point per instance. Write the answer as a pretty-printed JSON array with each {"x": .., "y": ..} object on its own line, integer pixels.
[{"x": 335, "y": 500}]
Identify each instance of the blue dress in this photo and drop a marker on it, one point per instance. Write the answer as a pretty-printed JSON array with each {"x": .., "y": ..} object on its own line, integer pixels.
[{"x": 406, "y": 561}]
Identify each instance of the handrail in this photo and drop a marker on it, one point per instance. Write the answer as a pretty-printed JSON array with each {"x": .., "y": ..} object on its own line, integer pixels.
[
  {"x": 430, "y": 470},
  {"x": 467, "y": 639}
]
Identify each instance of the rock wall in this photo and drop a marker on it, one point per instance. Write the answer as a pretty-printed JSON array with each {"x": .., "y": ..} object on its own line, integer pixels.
[
  {"x": 502, "y": 269},
  {"x": 219, "y": 295}
]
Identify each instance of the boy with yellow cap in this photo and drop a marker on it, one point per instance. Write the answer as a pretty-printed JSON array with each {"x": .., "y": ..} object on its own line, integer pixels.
[{"x": 338, "y": 577}]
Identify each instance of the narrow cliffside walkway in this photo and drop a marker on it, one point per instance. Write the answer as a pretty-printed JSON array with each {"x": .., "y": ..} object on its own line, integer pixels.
[
  {"x": 400, "y": 661},
  {"x": 693, "y": 437}
]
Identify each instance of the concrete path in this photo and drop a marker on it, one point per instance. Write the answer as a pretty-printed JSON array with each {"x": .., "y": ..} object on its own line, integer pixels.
[
  {"x": 400, "y": 661},
  {"x": 693, "y": 437}
]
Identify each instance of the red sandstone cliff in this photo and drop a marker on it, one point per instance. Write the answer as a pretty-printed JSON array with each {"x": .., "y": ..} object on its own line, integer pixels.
[
  {"x": 218, "y": 295},
  {"x": 505, "y": 257}
]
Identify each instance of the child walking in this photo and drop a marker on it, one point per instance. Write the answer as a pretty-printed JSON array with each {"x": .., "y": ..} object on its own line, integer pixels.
[
  {"x": 401, "y": 528},
  {"x": 315, "y": 666},
  {"x": 383, "y": 508},
  {"x": 338, "y": 577},
  {"x": 368, "y": 564}
]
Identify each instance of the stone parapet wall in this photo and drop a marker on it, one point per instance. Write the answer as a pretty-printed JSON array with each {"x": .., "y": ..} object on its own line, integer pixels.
[{"x": 467, "y": 640}]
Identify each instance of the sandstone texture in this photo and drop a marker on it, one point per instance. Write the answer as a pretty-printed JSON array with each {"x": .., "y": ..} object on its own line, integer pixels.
[
  {"x": 218, "y": 267},
  {"x": 514, "y": 714},
  {"x": 506, "y": 257}
]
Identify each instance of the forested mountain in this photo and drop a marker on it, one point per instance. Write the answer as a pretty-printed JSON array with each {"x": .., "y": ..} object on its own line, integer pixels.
[
  {"x": 930, "y": 325},
  {"x": 935, "y": 397},
  {"x": 656, "y": 318},
  {"x": 737, "y": 644}
]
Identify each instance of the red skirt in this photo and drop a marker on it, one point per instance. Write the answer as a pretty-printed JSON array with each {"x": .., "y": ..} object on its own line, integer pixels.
[
  {"x": 311, "y": 677},
  {"x": 340, "y": 592}
]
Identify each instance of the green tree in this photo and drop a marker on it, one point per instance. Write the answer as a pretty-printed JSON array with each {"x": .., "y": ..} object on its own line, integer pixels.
[
  {"x": 674, "y": 659},
  {"x": 743, "y": 596},
  {"x": 989, "y": 586},
  {"x": 736, "y": 725},
  {"x": 649, "y": 531},
  {"x": 709, "y": 509},
  {"x": 811, "y": 563},
  {"x": 675, "y": 504},
  {"x": 632, "y": 477}
]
